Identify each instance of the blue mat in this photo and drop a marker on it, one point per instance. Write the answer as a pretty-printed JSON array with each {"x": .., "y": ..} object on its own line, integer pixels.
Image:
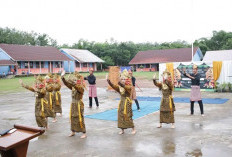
[
  {"x": 184, "y": 100},
  {"x": 146, "y": 108}
]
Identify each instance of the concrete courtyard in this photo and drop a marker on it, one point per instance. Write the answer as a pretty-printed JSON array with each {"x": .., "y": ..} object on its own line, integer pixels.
[{"x": 209, "y": 136}]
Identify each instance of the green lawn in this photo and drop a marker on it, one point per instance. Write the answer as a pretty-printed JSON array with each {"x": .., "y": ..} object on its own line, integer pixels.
[{"x": 12, "y": 85}]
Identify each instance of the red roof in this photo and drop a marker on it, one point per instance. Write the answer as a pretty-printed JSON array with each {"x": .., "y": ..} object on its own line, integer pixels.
[
  {"x": 164, "y": 56},
  {"x": 7, "y": 62},
  {"x": 33, "y": 53}
]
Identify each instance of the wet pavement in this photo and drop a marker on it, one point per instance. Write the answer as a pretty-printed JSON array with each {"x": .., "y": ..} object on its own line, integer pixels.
[{"x": 195, "y": 136}]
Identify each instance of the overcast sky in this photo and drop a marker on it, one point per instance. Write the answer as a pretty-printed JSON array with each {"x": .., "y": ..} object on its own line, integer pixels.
[{"x": 67, "y": 21}]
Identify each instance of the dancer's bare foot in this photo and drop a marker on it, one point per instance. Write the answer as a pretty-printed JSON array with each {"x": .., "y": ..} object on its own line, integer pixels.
[
  {"x": 121, "y": 132},
  {"x": 83, "y": 136},
  {"x": 202, "y": 115},
  {"x": 160, "y": 126},
  {"x": 173, "y": 126},
  {"x": 46, "y": 128},
  {"x": 133, "y": 131},
  {"x": 60, "y": 114},
  {"x": 54, "y": 120},
  {"x": 72, "y": 134}
]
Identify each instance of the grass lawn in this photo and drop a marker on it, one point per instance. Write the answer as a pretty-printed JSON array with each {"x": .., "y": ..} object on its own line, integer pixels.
[{"x": 12, "y": 85}]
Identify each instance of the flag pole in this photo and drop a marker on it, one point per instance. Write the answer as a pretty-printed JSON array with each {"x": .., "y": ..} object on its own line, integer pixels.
[{"x": 192, "y": 52}]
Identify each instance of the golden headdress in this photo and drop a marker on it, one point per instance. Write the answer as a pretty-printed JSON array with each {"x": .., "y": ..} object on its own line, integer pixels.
[
  {"x": 77, "y": 75},
  {"x": 39, "y": 82},
  {"x": 166, "y": 72},
  {"x": 49, "y": 78},
  {"x": 194, "y": 66},
  {"x": 56, "y": 78},
  {"x": 126, "y": 76}
]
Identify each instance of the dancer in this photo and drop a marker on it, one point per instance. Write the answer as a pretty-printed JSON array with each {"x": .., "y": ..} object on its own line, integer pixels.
[
  {"x": 125, "y": 105},
  {"x": 92, "y": 88},
  {"x": 195, "y": 90},
  {"x": 57, "y": 96},
  {"x": 40, "y": 100},
  {"x": 77, "y": 106},
  {"x": 167, "y": 106},
  {"x": 133, "y": 91}
]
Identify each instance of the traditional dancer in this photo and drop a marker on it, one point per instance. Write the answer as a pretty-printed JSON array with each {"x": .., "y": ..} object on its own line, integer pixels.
[
  {"x": 167, "y": 106},
  {"x": 49, "y": 110},
  {"x": 125, "y": 105},
  {"x": 57, "y": 96},
  {"x": 133, "y": 91},
  {"x": 77, "y": 106},
  {"x": 195, "y": 89},
  {"x": 92, "y": 88},
  {"x": 40, "y": 100}
]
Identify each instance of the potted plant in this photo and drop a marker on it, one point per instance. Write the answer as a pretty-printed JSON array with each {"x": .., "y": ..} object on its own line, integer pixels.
[
  {"x": 217, "y": 87},
  {"x": 229, "y": 86},
  {"x": 223, "y": 87}
]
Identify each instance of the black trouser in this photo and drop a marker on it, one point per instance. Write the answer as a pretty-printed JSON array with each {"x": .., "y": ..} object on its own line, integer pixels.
[
  {"x": 200, "y": 104},
  {"x": 90, "y": 101},
  {"x": 137, "y": 104}
]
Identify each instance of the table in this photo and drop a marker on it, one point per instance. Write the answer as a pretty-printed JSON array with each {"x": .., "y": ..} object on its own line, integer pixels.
[{"x": 16, "y": 143}]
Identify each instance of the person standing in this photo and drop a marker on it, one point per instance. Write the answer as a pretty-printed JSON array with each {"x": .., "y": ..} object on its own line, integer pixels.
[
  {"x": 133, "y": 91},
  {"x": 167, "y": 106},
  {"x": 92, "y": 88},
  {"x": 76, "y": 115},
  {"x": 195, "y": 89},
  {"x": 125, "y": 113},
  {"x": 40, "y": 100}
]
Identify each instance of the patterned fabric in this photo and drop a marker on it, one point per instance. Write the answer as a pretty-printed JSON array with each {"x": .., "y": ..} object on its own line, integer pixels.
[
  {"x": 167, "y": 106},
  {"x": 49, "y": 110},
  {"x": 77, "y": 107},
  {"x": 133, "y": 93},
  {"x": 167, "y": 117},
  {"x": 57, "y": 98},
  {"x": 40, "y": 120},
  {"x": 77, "y": 120},
  {"x": 125, "y": 106},
  {"x": 195, "y": 93},
  {"x": 125, "y": 120},
  {"x": 92, "y": 91}
]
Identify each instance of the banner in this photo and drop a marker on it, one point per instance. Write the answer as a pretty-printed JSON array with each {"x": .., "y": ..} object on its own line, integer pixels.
[{"x": 205, "y": 71}]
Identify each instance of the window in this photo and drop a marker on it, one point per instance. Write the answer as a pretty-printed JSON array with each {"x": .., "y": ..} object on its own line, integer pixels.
[
  {"x": 147, "y": 65},
  {"x": 31, "y": 65},
  {"x": 19, "y": 65},
  {"x": 42, "y": 64},
  {"x": 84, "y": 64},
  {"x": 58, "y": 64},
  {"x": 26, "y": 65},
  {"x": 37, "y": 64},
  {"x": 77, "y": 64}
]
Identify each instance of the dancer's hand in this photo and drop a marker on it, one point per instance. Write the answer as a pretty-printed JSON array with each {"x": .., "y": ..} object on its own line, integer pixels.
[
  {"x": 154, "y": 77},
  {"x": 165, "y": 76},
  {"x": 21, "y": 82},
  {"x": 63, "y": 73},
  {"x": 184, "y": 70},
  {"x": 107, "y": 77}
]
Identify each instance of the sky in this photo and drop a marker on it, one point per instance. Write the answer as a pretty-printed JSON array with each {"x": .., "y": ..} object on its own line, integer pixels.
[{"x": 67, "y": 21}]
